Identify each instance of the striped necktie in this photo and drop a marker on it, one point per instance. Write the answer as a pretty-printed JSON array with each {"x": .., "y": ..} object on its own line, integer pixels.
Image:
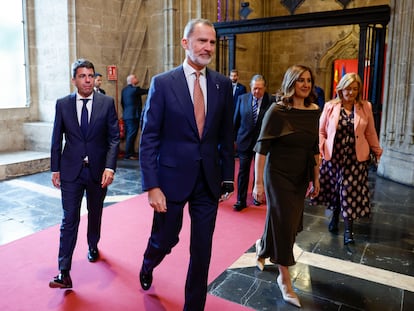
[{"x": 255, "y": 107}]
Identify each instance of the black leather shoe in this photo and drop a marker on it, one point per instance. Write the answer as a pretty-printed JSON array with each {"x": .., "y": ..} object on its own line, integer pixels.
[
  {"x": 145, "y": 279},
  {"x": 93, "y": 254},
  {"x": 239, "y": 206},
  {"x": 348, "y": 237},
  {"x": 348, "y": 233},
  {"x": 257, "y": 203},
  {"x": 62, "y": 280},
  {"x": 333, "y": 226}
]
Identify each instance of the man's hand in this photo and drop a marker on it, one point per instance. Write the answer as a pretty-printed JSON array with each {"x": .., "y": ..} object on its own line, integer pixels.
[
  {"x": 107, "y": 178},
  {"x": 157, "y": 200},
  {"x": 227, "y": 189},
  {"x": 56, "y": 179}
]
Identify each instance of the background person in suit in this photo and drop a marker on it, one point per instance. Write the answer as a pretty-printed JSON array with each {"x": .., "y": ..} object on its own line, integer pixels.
[
  {"x": 98, "y": 83},
  {"x": 131, "y": 103},
  {"x": 320, "y": 99},
  {"x": 247, "y": 123},
  {"x": 185, "y": 161},
  {"x": 238, "y": 88},
  {"x": 85, "y": 162}
]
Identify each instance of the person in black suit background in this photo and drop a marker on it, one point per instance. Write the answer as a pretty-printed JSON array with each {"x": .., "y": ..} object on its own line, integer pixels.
[
  {"x": 186, "y": 156},
  {"x": 320, "y": 99},
  {"x": 238, "y": 88},
  {"x": 84, "y": 161},
  {"x": 247, "y": 122},
  {"x": 131, "y": 103},
  {"x": 98, "y": 83}
]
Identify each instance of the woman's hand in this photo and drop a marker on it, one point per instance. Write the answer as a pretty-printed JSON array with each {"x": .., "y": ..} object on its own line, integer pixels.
[
  {"x": 313, "y": 189},
  {"x": 259, "y": 193}
]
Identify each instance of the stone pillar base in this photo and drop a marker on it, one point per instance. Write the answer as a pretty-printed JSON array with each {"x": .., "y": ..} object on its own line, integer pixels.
[{"x": 397, "y": 166}]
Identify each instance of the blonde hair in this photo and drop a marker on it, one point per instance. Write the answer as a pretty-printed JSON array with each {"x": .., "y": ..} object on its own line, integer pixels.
[{"x": 346, "y": 81}]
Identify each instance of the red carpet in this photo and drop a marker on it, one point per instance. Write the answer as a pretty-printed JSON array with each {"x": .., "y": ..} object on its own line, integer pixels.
[{"x": 112, "y": 283}]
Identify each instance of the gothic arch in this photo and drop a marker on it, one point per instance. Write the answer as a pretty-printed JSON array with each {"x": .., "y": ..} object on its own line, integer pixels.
[{"x": 345, "y": 48}]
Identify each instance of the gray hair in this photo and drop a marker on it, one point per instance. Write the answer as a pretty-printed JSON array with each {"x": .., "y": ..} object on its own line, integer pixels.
[
  {"x": 256, "y": 78},
  {"x": 189, "y": 28}
]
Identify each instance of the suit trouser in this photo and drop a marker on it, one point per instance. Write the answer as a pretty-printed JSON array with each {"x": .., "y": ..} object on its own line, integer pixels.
[
  {"x": 245, "y": 162},
  {"x": 164, "y": 236},
  {"x": 72, "y": 194},
  {"x": 131, "y": 132}
]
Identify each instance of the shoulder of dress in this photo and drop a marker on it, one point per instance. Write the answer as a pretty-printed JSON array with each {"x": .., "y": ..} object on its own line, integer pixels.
[{"x": 313, "y": 106}]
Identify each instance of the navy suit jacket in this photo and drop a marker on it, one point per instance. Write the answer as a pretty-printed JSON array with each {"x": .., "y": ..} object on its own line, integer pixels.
[
  {"x": 69, "y": 146},
  {"x": 171, "y": 151},
  {"x": 245, "y": 132},
  {"x": 131, "y": 101},
  {"x": 240, "y": 89}
]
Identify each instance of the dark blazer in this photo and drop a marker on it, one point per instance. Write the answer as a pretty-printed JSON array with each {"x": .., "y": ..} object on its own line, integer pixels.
[
  {"x": 100, "y": 145},
  {"x": 99, "y": 90},
  {"x": 245, "y": 132},
  {"x": 171, "y": 151},
  {"x": 240, "y": 89},
  {"x": 131, "y": 101}
]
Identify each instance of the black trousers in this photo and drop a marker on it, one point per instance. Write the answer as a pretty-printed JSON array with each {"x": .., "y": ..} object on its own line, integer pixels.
[{"x": 245, "y": 162}]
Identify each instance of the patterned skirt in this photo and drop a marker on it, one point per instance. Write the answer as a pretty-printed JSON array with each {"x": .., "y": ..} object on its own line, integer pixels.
[{"x": 344, "y": 184}]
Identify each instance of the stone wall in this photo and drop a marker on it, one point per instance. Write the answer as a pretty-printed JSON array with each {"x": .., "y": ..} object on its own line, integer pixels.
[{"x": 143, "y": 37}]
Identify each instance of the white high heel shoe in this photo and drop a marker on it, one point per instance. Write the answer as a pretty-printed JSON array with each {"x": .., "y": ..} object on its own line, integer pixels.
[
  {"x": 291, "y": 298},
  {"x": 260, "y": 262}
]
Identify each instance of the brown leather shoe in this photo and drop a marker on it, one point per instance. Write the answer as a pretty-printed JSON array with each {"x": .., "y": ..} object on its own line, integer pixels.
[{"x": 62, "y": 280}]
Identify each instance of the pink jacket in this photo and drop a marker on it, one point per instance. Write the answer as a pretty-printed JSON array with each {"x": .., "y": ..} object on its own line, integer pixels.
[{"x": 366, "y": 138}]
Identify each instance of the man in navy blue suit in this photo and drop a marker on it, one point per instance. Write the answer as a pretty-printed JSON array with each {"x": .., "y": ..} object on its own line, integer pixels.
[
  {"x": 183, "y": 162},
  {"x": 84, "y": 151},
  {"x": 131, "y": 103},
  {"x": 247, "y": 123},
  {"x": 238, "y": 88}
]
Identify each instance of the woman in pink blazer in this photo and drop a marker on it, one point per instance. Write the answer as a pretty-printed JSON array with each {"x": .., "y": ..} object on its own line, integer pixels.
[{"x": 347, "y": 135}]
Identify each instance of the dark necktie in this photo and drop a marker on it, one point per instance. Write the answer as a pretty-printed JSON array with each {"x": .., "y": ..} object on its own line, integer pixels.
[
  {"x": 255, "y": 107},
  {"x": 199, "y": 108},
  {"x": 84, "y": 117}
]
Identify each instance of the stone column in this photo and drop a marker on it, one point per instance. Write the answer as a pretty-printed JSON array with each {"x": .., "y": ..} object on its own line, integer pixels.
[{"x": 397, "y": 124}]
